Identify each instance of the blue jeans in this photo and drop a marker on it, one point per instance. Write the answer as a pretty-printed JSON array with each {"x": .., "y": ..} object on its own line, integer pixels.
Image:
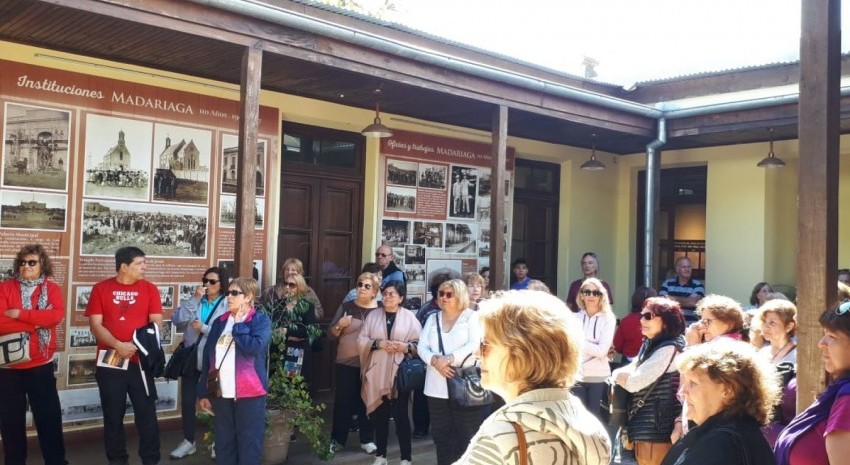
[
  {"x": 590, "y": 395},
  {"x": 240, "y": 427}
]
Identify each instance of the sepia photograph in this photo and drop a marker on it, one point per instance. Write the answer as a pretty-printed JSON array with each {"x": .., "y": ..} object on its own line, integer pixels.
[
  {"x": 401, "y": 199},
  {"x": 83, "y": 294},
  {"x": 169, "y": 231},
  {"x": 167, "y": 334},
  {"x": 435, "y": 266},
  {"x": 117, "y": 157},
  {"x": 35, "y": 147},
  {"x": 413, "y": 302},
  {"x": 181, "y": 164},
  {"x": 414, "y": 255},
  {"x": 484, "y": 242},
  {"x": 432, "y": 176},
  {"x": 483, "y": 182},
  {"x": 428, "y": 234},
  {"x": 462, "y": 192},
  {"x": 80, "y": 336},
  {"x": 401, "y": 173},
  {"x": 33, "y": 210},
  {"x": 415, "y": 275},
  {"x": 166, "y": 296},
  {"x": 230, "y": 165},
  {"x": 395, "y": 232},
  {"x": 227, "y": 218},
  {"x": 461, "y": 237},
  {"x": 81, "y": 369}
]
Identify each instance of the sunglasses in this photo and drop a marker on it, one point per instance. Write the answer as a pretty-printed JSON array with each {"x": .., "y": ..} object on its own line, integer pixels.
[
  {"x": 382, "y": 255},
  {"x": 483, "y": 348},
  {"x": 366, "y": 285},
  {"x": 233, "y": 293},
  {"x": 588, "y": 293},
  {"x": 446, "y": 294},
  {"x": 647, "y": 316},
  {"x": 211, "y": 282},
  {"x": 29, "y": 263},
  {"x": 291, "y": 285},
  {"x": 843, "y": 308}
]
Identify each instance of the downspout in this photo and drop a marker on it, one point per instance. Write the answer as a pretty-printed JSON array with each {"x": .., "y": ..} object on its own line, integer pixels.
[{"x": 653, "y": 179}]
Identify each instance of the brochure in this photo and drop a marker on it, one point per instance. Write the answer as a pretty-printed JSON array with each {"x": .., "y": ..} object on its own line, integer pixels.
[{"x": 109, "y": 358}]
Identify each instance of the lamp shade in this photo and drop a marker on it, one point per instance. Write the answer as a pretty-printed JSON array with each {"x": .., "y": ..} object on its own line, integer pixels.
[
  {"x": 770, "y": 161},
  {"x": 376, "y": 129},
  {"x": 593, "y": 164}
]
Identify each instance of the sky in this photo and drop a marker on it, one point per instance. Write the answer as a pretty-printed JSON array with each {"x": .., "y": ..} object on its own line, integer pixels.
[{"x": 633, "y": 40}]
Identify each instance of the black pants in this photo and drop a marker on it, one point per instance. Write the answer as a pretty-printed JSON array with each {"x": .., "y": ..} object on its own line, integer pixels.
[
  {"x": 397, "y": 408},
  {"x": 452, "y": 428},
  {"x": 347, "y": 402},
  {"x": 114, "y": 386},
  {"x": 590, "y": 395},
  {"x": 38, "y": 384},
  {"x": 421, "y": 417},
  {"x": 189, "y": 399}
]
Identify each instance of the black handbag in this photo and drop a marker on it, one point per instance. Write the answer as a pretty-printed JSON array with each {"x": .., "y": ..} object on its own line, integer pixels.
[
  {"x": 411, "y": 374},
  {"x": 465, "y": 390},
  {"x": 183, "y": 361},
  {"x": 614, "y": 405}
]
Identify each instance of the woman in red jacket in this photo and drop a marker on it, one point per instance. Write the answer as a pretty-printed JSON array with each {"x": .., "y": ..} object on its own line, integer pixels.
[{"x": 31, "y": 306}]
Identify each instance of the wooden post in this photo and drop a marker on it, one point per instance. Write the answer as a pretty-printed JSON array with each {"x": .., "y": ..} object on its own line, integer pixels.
[
  {"x": 246, "y": 180},
  {"x": 498, "y": 175},
  {"x": 817, "y": 207}
]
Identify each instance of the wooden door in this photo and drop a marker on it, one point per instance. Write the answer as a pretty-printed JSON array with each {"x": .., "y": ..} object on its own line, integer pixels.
[{"x": 534, "y": 236}]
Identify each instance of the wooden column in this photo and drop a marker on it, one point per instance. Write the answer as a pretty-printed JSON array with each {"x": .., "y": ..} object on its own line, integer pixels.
[
  {"x": 817, "y": 210},
  {"x": 498, "y": 175},
  {"x": 246, "y": 180}
]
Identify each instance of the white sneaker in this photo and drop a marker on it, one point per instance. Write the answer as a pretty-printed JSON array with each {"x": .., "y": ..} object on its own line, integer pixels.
[
  {"x": 212, "y": 451},
  {"x": 406, "y": 462},
  {"x": 370, "y": 448},
  {"x": 183, "y": 449},
  {"x": 380, "y": 461}
]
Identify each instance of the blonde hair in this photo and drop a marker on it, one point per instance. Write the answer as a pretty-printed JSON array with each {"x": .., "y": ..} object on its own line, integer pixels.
[
  {"x": 537, "y": 285},
  {"x": 725, "y": 309},
  {"x": 248, "y": 286},
  {"x": 544, "y": 342},
  {"x": 475, "y": 278},
  {"x": 604, "y": 305},
  {"x": 459, "y": 288},
  {"x": 843, "y": 291},
  {"x": 784, "y": 309},
  {"x": 292, "y": 261},
  {"x": 373, "y": 279},
  {"x": 752, "y": 380},
  {"x": 300, "y": 284}
]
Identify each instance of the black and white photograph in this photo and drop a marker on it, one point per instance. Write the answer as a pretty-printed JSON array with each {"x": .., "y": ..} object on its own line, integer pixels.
[
  {"x": 395, "y": 233},
  {"x": 413, "y": 302},
  {"x": 33, "y": 210},
  {"x": 80, "y": 336},
  {"x": 401, "y": 173},
  {"x": 227, "y": 218},
  {"x": 483, "y": 182},
  {"x": 462, "y": 192},
  {"x": 484, "y": 242},
  {"x": 401, "y": 199},
  {"x": 432, "y": 176},
  {"x": 414, "y": 255},
  {"x": 187, "y": 290},
  {"x": 81, "y": 404},
  {"x": 181, "y": 164},
  {"x": 230, "y": 165},
  {"x": 166, "y": 397},
  {"x": 482, "y": 209},
  {"x": 415, "y": 275},
  {"x": 35, "y": 147},
  {"x": 81, "y": 369},
  {"x": 167, "y": 334},
  {"x": 56, "y": 360},
  {"x": 7, "y": 269},
  {"x": 169, "y": 231},
  {"x": 461, "y": 237},
  {"x": 438, "y": 265},
  {"x": 230, "y": 268},
  {"x": 398, "y": 257},
  {"x": 166, "y": 296},
  {"x": 428, "y": 234},
  {"x": 117, "y": 158},
  {"x": 83, "y": 293}
]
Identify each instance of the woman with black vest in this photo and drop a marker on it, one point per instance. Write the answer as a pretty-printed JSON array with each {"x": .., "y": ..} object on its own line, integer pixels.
[{"x": 653, "y": 380}]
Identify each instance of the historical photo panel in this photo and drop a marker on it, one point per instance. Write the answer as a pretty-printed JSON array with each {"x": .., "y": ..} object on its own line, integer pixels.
[
  {"x": 461, "y": 237},
  {"x": 395, "y": 233},
  {"x": 83, "y": 294},
  {"x": 117, "y": 157},
  {"x": 33, "y": 210},
  {"x": 35, "y": 147},
  {"x": 401, "y": 173},
  {"x": 230, "y": 165},
  {"x": 7, "y": 269},
  {"x": 80, "y": 336},
  {"x": 432, "y": 176},
  {"x": 429, "y": 234},
  {"x": 401, "y": 199},
  {"x": 462, "y": 192},
  {"x": 81, "y": 370},
  {"x": 166, "y": 296},
  {"x": 227, "y": 218},
  {"x": 181, "y": 164},
  {"x": 414, "y": 255}
]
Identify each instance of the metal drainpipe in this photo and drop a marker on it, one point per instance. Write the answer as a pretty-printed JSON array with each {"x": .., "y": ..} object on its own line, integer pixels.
[{"x": 653, "y": 179}]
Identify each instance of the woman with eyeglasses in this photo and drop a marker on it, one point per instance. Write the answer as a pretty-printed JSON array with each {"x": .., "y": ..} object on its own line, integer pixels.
[
  {"x": 237, "y": 355},
  {"x": 778, "y": 322},
  {"x": 529, "y": 356},
  {"x": 194, "y": 318},
  {"x": 345, "y": 327},
  {"x": 598, "y": 324},
  {"x": 292, "y": 266},
  {"x": 476, "y": 286},
  {"x": 821, "y": 433},
  {"x": 387, "y": 337},
  {"x": 31, "y": 306},
  {"x": 653, "y": 380},
  {"x": 448, "y": 341}
]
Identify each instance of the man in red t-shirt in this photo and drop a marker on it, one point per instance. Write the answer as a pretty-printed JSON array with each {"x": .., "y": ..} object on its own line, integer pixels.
[{"x": 117, "y": 307}]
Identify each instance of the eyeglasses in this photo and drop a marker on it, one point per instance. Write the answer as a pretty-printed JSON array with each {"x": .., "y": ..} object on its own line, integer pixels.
[
  {"x": 292, "y": 285},
  {"x": 588, "y": 293},
  {"x": 446, "y": 294},
  {"x": 648, "y": 316},
  {"x": 211, "y": 282},
  {"x": 483, "y": 348},
  {"x": 29, "y": 263},
  {"x": 390, "y": 294},
  {"x": 707, "y": 321},
  {"x": 843, "y": 308},
  {"x": 233, "y": 293},
  {"x": 366, "y": 285},
  {"x": 381, "y": 255}
]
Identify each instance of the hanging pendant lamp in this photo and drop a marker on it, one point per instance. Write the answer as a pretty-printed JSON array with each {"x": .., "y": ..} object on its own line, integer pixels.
[
  {"x": 771, "y": 160},
  {"x": 593, "y": 164},
  {"x": 377, "y": 129}
]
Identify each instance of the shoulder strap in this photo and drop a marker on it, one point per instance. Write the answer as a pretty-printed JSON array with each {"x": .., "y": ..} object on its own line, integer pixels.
[
  {"x": 212, "y": 311},
  {"x": 225, "y": 353},
  {"x": 640, "y": 403},
  {"x": 439, "y": 333},
  {"x": 523, "y": 445}
]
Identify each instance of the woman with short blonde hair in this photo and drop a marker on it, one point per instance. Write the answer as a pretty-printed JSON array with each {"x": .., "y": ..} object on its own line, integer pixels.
[
  {"x": 599, "y": 324},
  {"x": 476, "y": 286}
]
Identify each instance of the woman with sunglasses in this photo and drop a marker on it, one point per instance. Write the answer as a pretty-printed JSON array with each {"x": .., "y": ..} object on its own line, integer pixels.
[
  {"x": 194, "y": 318},
  {"x": 345, "y": 327},
  {"x": 237, "y": 354},
  {"x": 821, "y": 433},
  {"x": 289, "y": 302},
  {"x": 529, "y": 356},
  {"x": 292, "y": 266},
  {"x": 31, "y": 305},
  {"x": 448, "y": 341},
  {"x": 388, "y": 336},
  {"x": 598, "y": 323},
  {"x": 653, "y": 380}
]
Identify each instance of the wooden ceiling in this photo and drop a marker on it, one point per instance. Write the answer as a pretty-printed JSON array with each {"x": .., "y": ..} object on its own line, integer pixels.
[{"x": 184, "y": 37}]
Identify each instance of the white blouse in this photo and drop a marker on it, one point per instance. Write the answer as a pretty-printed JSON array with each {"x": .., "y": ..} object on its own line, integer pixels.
[
  {"x": 227, "y": 372},
  {"x": 461, "y": 341}
]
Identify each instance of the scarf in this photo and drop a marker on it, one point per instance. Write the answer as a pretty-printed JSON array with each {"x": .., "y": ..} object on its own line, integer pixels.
[
  {"x": 804, "y": 422},
  {"x": 28, "y": 286}
]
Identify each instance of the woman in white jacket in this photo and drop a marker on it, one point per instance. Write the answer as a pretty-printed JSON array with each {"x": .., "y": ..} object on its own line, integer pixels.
[{"x": 598, "y": 323}]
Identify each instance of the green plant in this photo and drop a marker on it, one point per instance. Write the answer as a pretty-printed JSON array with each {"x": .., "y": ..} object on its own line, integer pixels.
[{"x": 209, "y": 437}]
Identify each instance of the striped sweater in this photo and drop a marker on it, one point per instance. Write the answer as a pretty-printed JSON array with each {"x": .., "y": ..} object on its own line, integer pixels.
[{"x": 557, "y": 427}]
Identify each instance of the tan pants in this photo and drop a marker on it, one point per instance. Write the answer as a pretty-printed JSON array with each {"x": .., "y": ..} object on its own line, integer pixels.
[{"x": 651, "y": 453}]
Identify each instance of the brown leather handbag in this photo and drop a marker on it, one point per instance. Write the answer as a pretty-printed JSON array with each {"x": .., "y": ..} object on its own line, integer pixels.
[{"x": 213, "y": 378}]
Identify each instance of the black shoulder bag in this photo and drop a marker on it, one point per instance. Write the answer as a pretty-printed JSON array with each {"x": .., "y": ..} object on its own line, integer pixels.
[
  {"x": 464, "y": 387},
  {"x": 614, "y": 406},
  {"x": 183, "y": 361}
]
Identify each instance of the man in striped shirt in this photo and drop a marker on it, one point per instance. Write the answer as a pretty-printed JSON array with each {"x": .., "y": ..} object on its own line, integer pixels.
[{"x": 684, "y": 289}]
